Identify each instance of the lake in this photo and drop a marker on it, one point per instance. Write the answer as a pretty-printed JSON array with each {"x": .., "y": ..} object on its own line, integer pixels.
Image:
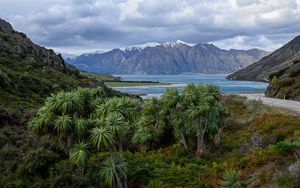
[{"x": 180, "y": 81}]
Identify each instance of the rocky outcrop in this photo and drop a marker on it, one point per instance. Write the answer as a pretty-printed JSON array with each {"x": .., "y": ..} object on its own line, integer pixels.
[
  {"x": 168, "y": 58},
  {"x": 281, "y": 69},
  {"x": 29, "y": 72},
  {"x": 16, "y": 44},
  {"x": 261, "y": 70},
  {"x": 285, "y": 79}
]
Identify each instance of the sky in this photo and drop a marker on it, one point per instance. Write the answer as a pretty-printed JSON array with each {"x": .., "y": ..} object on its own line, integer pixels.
[{"x": 78, "y": 26}]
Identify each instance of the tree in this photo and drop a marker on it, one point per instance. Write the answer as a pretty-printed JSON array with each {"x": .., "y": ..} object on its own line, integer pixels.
[
  {"x": 79, "y": 155},
  {"x": 62, "y": 124},
  {"x": 171, "y": 98},
  {"x": 152, "y": 117},
  {"x": 101, "y": 137},
  {"x": 196, "y": 113},
  {"x": 142, "y": 134},
  {"x": 178, "y": 120},
  {"x": 116, "y": 125},
  {"x": 113, "y": 170},
  {"x": 218, "y": 119},
  {"x": 81, "y": 127}
]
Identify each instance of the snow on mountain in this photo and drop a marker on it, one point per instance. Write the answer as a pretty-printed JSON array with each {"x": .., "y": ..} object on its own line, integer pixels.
[
  {"x": 140, "y": 47},
  {"x": 68, "y": 56},
  {"x": 174, "y": 44},
  {"x": 95, "y": 52}
]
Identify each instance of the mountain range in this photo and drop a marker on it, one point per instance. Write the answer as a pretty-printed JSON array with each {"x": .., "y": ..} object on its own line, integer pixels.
[
  {"x": 281, "y": 69},
  {"x": 167, "y": 58}
]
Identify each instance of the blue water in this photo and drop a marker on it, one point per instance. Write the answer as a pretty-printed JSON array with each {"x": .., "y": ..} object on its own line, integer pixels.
[{"x": 180, "y": 81}]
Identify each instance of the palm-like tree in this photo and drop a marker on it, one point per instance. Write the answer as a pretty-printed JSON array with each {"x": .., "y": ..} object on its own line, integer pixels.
[
  {"x": 110, "y": 105},
  {"x": 85, "y": 98},
  {"x": 98, "y": 92},
  {"x": 171, "y": 98},
  {"x": 196, "y": 113},
  {"x": 192, "y": 93},
  {"x": 152, "y": 113},
  {"x": 218, "y": 122},
  {"x": 101, "y": 137},
  {"x": 79, "y": 155},
  {"x": 129, "y": 108},
  {"x": 62, "y": 124},
  {"x": 81, "y": 127},
  {"x": 199, "y": 99},
  {"x": 214, "y": 91},
  {"x": 142, "y": 136},
  {"x": 42, "y": 122},
  {"x": 114, "y": 170},
  {"x": 178, "y": 120},
  {"x": 35, "y": 125},
  {"x": 116, "y": 125}
]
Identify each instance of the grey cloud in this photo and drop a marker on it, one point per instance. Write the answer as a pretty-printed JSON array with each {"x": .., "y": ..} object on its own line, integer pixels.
[{"x": 116, "y": 23}]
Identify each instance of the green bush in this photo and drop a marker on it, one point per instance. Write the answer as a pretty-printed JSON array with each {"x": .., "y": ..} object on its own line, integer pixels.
[
  {"x": 38, "y": 162},
  {"x": 287, "y": 146}
]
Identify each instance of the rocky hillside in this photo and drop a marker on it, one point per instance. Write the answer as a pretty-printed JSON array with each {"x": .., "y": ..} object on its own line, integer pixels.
[
  {"x": 285, "y": 81},
  {"x": 29, "y": 72},
  {"x": 168, "y": 58},
  {"x": 281, "y": 69}
]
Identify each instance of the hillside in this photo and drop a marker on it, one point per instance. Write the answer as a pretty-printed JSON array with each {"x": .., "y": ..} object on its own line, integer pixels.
[
  {"x": 167, "y": 58},
  {"x": 29, "y": 73},
  {"x": 285, "y": 81},
  {"x": 261, "y": 70},
  {"x": 281, "y": 68}
]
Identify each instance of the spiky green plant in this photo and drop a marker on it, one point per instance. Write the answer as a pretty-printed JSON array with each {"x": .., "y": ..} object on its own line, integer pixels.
[
  {"x": 79, "y": 155},
  {"x": 231, "y": 179},
  {"x": 101, "y": 137},
  {"x": 81, "y": 127},
  {"x": 62, "y": 124},
  {"x": 114, "y": 171},
  {"x": 142, "y": 135}
]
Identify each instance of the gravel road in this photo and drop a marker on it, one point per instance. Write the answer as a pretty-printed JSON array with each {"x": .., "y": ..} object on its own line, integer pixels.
[{"x": 288, "y": 104}]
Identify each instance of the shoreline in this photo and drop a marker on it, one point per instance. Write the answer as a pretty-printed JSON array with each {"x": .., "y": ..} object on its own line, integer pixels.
[{"x": 114, "y": 84}]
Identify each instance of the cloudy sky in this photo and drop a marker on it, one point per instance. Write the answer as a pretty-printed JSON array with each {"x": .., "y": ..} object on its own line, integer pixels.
[{"x": 76, "y": 26}]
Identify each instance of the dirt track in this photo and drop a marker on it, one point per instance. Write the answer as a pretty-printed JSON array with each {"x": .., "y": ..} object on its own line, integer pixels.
[{"x": 288, "y": 104}]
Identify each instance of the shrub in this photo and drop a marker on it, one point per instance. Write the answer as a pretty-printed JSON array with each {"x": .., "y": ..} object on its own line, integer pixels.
[
  {"x": 287, "y": 146},
  {"x": 38, "y": 162},
  {"x": 231, "y": 179}
]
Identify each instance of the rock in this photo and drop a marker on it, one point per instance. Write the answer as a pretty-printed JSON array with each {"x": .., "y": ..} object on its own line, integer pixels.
[
  {"x": 5, "y": 25},
  {"x": 294, "y": 170}
]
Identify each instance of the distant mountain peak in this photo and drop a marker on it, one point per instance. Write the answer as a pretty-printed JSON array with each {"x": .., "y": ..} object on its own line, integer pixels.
[
  {"x": 140, "y": 47},
  {"x": 95, "y": 52},
  {"x": 176, "y": 43}
]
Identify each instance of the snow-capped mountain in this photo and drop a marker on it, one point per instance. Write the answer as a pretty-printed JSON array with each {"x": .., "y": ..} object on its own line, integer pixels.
[
  {"x": 68, "y": 56},
  {"x": 176, "y": 43},
  {"x": 168, "y": 58},
  {"x": 140, "y": 47}
]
